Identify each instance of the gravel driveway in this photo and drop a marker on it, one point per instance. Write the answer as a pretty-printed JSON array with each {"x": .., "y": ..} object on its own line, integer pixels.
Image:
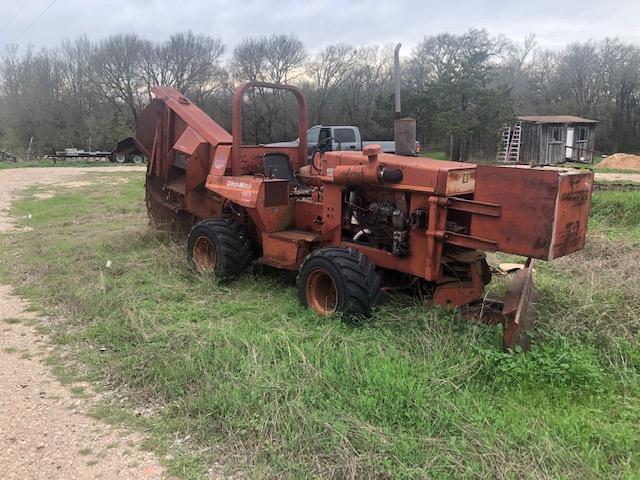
[{"x": 45, "y": 432}]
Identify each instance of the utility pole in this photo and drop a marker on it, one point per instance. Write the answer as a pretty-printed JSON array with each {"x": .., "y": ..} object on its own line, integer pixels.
[{"x": 29, "y": 149}]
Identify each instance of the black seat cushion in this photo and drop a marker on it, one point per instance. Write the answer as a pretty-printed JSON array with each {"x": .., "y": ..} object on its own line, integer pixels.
[{"x": 277, "y": 165}]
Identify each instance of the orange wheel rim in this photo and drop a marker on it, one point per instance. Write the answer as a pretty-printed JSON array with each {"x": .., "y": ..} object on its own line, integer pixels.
[
  {"x": 321, "y": 292},
  {"x": 204, "y": 258}
]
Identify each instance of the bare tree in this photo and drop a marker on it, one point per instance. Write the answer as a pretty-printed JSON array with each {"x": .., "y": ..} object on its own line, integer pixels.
[
  {"x": 579, "y": 74},
  {"x": 283, "y": 55},
  {"x": 275, "y": 59},
  {"x": 519, "y": 55},
  {"x": 76, "y": 58},
  {"x": 327, "y": 71},
  {"x": 515, "y": 70},
  {"x": 620, "y": 91},
  {"x": 455, "y": 85},
  {"x": 248, "y": 59},
  {"x": 11, "y": 70},
  {"x": 367, "y": 84},
  {"x": 35, "y": 100},
  {"x": 117, "y": 71},
  {"x": 541, "y": 80},
  {"x": 187, "y": 62}
]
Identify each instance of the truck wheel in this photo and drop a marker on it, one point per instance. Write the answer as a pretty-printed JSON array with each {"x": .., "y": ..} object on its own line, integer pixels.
[
  {"x": 337, "y": 279},
  {"x": 120, "y": 158},
  {"x": 220, "y": 247},
  {"x": 137, "y": 159}
]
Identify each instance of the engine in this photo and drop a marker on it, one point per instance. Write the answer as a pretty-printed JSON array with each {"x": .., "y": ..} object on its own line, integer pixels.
[{"x": 381, "y": 224}]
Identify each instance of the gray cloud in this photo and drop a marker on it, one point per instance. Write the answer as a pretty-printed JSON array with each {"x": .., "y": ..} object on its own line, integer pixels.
[{"x": 319, "y": 22}]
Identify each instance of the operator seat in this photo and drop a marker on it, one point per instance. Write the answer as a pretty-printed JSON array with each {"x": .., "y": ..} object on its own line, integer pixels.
[{"x": 277, "y": 165}]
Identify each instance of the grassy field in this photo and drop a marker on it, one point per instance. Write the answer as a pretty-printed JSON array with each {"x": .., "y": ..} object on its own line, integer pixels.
[
  {"x": 435, "y": 154},
  {"x": 48, "y": 162},
  {"x": 241, "y": 375}
]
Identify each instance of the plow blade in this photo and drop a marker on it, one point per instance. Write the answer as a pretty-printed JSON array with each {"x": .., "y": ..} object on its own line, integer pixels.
[
  {"x": 519, "y": 310},
  {"x": 164, "y": 215}
]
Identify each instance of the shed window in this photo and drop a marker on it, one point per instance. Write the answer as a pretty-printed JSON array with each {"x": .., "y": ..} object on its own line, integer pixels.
[
  {"x": 556, "y": 135},
  {"x": 581, "y": 134}
]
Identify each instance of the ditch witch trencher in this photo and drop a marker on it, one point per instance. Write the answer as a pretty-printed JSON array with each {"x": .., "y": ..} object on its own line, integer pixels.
[{"x": 355, "y": 223}]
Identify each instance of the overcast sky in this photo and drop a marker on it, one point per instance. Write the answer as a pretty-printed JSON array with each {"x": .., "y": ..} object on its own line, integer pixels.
[{"x": 318, "y": 23}]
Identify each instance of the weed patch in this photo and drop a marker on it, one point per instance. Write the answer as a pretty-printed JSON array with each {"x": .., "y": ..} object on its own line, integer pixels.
[{"x": 617, "y": 213}]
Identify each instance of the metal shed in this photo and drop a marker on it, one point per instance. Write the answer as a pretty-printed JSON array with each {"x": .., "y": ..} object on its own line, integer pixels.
[{"x": 547, "y": 140}]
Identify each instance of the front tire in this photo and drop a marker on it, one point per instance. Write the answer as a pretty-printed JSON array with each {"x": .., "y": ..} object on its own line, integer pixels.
[
  {"x": 220, "y": 247},
  {"x": 335, "y": 279}
]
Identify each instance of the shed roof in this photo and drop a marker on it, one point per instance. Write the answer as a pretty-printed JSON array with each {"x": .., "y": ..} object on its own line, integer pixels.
[{"x": 555, "y": 119}]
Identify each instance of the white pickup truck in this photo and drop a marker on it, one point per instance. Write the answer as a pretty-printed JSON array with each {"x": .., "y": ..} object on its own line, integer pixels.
[{"x": 345, "y": 137}]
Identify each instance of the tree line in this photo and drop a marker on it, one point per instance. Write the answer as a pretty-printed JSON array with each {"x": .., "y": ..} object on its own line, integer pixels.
[{"x": 460, "y": 88}]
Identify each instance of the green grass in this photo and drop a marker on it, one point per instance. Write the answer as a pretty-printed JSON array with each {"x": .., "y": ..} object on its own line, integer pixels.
[
  {"x": 48, "y": 162},
  {"x": 617, "y": 213},
  {"x": 245, "y": 377},
  {"x": 435, "y": 154}
]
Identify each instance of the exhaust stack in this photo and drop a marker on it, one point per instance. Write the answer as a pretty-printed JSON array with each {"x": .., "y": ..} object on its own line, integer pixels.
[
  {"x": 396, "y": 69},
  {"x": 404, "y": 129}
]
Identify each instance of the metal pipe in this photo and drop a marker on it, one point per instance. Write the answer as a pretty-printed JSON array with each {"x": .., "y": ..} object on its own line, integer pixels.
[
  {"x": 396, "y": 65},
  {"x": 364, "y": 231},
  {"x": 236, "y": 122}
]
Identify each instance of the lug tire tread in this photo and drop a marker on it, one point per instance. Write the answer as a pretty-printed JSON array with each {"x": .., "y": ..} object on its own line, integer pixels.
[
  {"x": 231, "y": 244},
  {"x": 360, "y": 280}
]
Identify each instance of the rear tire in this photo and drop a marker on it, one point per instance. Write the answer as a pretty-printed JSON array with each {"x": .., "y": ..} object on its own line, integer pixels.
[
  {"x": 120, "y": 158},
  {"x": 335, "y": 279},
  {"x": 220, "y": 247}
]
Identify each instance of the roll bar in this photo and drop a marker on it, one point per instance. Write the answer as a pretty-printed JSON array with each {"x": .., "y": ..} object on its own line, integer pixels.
[{"x": 236, "y": 121}]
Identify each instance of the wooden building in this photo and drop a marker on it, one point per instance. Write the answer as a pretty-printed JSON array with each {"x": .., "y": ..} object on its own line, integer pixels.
[{"x": 547, "y": 140}]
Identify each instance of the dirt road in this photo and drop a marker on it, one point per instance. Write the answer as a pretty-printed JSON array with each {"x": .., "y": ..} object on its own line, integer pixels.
[
  {"x": 15, "y": 179},
  {"x": 44, "y": 430}
]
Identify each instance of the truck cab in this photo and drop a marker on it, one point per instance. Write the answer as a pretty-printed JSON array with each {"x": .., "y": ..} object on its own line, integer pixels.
[{"x": 345, "y": 137}]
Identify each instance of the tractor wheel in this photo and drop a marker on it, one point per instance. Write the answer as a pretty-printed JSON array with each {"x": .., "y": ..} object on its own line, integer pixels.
[
  {"x": 219, "y": 247},
  {"x": 340, "y": 280}
]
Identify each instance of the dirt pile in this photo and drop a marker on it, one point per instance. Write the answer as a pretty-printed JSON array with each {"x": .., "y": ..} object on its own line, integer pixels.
[{"x": 625, "y": 161}]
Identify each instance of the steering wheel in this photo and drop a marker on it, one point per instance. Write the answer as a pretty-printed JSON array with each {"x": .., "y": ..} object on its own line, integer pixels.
[{"x": 316, "y": 149}]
